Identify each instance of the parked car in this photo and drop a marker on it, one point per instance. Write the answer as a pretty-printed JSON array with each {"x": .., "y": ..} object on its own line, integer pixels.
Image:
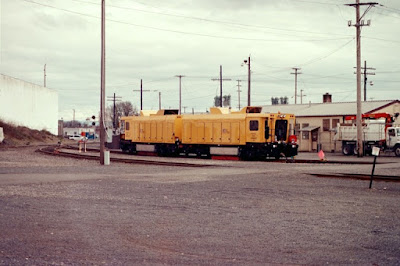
[{"x": 75, "y": 137}]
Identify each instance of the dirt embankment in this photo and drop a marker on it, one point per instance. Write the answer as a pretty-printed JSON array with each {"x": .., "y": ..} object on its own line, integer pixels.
[{"x": 16, "y": 136}]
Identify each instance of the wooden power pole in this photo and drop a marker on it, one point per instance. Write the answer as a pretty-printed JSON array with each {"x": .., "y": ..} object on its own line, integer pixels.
[{"x": 359, "y": 23}]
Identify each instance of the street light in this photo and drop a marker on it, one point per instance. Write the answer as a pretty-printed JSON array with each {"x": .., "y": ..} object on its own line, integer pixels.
[{"x": 247, "y": 62}]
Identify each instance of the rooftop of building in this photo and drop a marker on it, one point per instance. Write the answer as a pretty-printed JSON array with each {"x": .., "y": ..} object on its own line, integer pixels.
[{"x": 328, "y": 108}]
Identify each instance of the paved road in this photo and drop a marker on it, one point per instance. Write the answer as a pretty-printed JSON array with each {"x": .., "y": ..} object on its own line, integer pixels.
[{"x": 67, "y": 211}]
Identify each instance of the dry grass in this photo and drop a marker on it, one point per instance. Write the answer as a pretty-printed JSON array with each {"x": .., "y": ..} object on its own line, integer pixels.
[{"x": 22, "y": 136}]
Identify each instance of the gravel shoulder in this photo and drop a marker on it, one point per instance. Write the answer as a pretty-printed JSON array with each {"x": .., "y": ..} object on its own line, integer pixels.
[{"x": 65, "y": 211}]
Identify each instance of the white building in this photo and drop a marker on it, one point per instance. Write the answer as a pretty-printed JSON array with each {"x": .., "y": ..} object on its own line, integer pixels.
[
  {"x": 316, "y": 123},
  {"x": 28, "y": 104}
]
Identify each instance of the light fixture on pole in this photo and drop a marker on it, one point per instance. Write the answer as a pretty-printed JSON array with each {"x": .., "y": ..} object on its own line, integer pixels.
[{"x": 247, "y": 62}]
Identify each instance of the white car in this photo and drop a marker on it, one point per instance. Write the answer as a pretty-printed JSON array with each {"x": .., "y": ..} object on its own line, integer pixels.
[{"x": 75, "y": 137}]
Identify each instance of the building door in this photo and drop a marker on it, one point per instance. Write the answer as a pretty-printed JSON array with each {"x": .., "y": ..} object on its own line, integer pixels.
[{"x": 314, "y": 139}]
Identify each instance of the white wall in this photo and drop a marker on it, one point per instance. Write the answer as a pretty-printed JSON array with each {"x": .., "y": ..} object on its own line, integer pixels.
[{"x": 28, "y": 104}]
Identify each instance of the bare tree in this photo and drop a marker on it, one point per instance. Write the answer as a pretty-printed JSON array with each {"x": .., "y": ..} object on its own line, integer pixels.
[{"x": 121, "y": 109}]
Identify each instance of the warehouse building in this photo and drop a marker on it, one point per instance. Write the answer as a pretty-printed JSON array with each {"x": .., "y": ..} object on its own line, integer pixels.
[
  {"x": 316, "y": 122},
  {"x": 27, "y": 104}
]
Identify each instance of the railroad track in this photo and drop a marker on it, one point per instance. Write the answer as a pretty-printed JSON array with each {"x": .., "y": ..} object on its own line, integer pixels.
[
  {"x": 386, "y": 178},
  {"x": 283, "y": 160},
  {"x": 56, "y": 152}
]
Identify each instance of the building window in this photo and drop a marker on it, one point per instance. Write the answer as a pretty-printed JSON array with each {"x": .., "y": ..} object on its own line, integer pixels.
[
  {"x": 326, "y": 124},
  {"x": 306, "y": 134},
  {"x": 253, "y": 125},
  {"x": 297, "y": 129},
  {"x": 335, "y": 122}
]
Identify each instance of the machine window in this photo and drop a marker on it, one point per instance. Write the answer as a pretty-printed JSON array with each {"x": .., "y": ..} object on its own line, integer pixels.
[
  {"x": 253, "y": 125},
  {"x": 281, "y": 129},
  {"x": 127, "y": 125},
  {"x": 266, "y": 129}
]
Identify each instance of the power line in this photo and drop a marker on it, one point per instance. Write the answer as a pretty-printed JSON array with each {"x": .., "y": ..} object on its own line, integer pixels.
[
  {"x": 185, "y": 32},
  {"x": 329, "y": 54},
  {"x": 213, "y": 20}
]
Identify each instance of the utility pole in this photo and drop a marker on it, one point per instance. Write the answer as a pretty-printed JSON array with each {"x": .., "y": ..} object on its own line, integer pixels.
[
  {"x": 73, "y": 118},
  {"x": 114, "y": 99},
  {"x": 44, "y": 77},
  {"x": 141, "y": 94},
  {"x": 295, "y": 82},
  {"x": 359, "y": 23},
  {"x": 220, "y": 84},
  {"x": 238, "y": 80},
  {"x": 301, "y": 96},
  {"x": 180, "y": 91},
  {"x": 247, "y": 62},
  {"x": 159, "y": 100},
  {"x": 103, "y": 83},
  {"x": 365, "y": 78},
  {"x": 365, "y": 73}
]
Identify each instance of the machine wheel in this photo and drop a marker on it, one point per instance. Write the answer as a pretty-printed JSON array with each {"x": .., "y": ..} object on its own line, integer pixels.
[
  {"x": 397, "y": 150},
  {"x": 347, "y": 149}
]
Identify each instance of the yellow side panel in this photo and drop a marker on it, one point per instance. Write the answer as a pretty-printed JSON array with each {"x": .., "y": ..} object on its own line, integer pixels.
[
  {"x": 200, "y": 132},
  {"x": 187, "y": 132},
  {"x": 178, "y": 127},
  {"x": 217, "y": 132},
  {"x": 168, "y": 132},
  {"x": 253, "y": 135},
  {"x": 147, "y": 131},
  {"x": 208, "y": 132},
  {"x": 153, "y": 131},
  {"x": 226, "y": 133},
  {"x": 235, "y": 133},
  {"x": 136, "y": 132},
  {"x": 159, "y": 132},
  {"x": 142, "y": 133}
]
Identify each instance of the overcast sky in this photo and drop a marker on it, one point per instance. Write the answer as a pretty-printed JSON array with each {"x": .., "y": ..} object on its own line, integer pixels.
[{"x": 156, "y": 40}]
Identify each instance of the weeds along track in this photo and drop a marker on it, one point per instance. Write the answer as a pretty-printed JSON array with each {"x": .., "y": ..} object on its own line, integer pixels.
[{"x": 55, "y": 151}]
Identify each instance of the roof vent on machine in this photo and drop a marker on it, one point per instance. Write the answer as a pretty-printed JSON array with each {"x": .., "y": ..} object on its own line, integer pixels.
[
  {"x": 167, "y": 112},
  {"x": 253, "y": 109}
]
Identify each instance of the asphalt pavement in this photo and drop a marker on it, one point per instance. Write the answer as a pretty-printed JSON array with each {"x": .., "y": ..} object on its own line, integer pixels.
[{"x": 58, "y": 211}]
